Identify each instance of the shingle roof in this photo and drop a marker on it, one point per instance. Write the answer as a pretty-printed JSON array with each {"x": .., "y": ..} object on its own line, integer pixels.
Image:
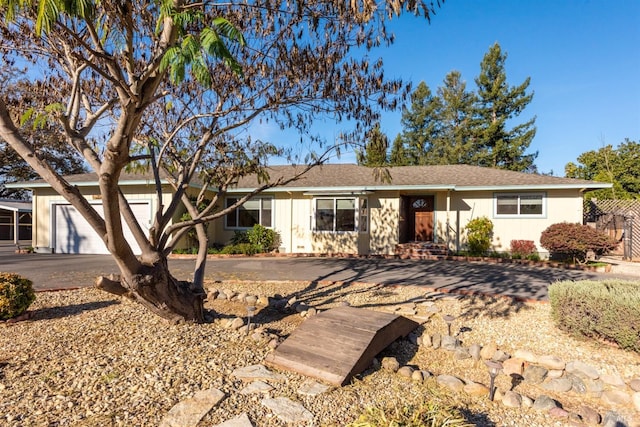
[
  {"x": 350, "y": 176},
  {"x": 459, "y": 177}
]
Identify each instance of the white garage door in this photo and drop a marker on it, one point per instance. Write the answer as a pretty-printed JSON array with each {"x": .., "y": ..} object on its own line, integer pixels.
[{"x": 73, "y": 235}]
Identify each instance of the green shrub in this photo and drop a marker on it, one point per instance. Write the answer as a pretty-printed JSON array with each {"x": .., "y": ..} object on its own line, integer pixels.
[
  {"x": 262, "y": 238},
  {"x": 606, "y": 310},
  {"x": 239, "y": 237},
  {"x": 16, "y": 295},
  {"x": 574, "y": 241},
  {"x": 240, "y": 249},
  {"x": 479, "y": 235}
]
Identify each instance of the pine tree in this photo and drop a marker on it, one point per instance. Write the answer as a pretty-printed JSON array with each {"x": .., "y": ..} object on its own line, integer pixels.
[
  {"x": 398, "y": 156},
  {"x": 453, "y": 143},
  {"x": 420, "y": 124},
  {"x": 375, "y": 151},
  {"x": 498, "y": 103}
]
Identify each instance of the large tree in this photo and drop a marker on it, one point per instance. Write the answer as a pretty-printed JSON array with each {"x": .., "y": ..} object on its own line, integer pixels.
[
  {"x": 454, "y": 143},
  {"x": 41, "y": 134},
  {"x": 459, "y": 126},
  {"x": 174, "y": 86},
  {"x": 375, "y": 150},
  {"x": 498, "y": 145},
  {"x": 618, "y": 165},
  {"x": 420, "y": 124}
]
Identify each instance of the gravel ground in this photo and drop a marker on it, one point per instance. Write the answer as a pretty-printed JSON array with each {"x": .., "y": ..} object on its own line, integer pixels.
[{"x": 89, "y": 359}]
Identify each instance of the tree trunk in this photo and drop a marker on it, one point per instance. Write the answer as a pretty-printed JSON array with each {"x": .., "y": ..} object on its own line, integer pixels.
[{"x": 154, "y": 287}]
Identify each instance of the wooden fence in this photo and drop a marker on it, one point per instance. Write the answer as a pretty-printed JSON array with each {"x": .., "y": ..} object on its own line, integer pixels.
[{"x": 620, "y": 219}]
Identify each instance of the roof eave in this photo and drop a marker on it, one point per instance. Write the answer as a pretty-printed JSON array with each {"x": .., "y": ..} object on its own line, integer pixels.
[
  {"x": 32, "y": 185},
  {"x": 346, "y": 189},
  {"x": 535, "y": 187}
]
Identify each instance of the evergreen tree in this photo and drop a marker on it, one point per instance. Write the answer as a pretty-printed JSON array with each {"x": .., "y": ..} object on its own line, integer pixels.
[
  {"x": 453, "y": 143},
  {"x": 398, "y": 156},
  {"x": 421, "y": 126},
  {"x": 375, "y": 151},
  {"x": 498, "y": 103}
]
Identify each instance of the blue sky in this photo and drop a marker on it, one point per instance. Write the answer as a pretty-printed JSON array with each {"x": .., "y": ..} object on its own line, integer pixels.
[{"x": 583, "y": 57}]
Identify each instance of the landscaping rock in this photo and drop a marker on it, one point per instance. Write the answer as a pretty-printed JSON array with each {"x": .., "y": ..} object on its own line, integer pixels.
[
  {"x": 288, "y": 410},
  {"x": 582, "y": 370},
  {"x": 435, "y": 341},
  {"x": 390, "y": 364},
  {"x": 635, "y": 397},
  {"x": 461, "y": 354},
  {"x": 589, "y": 415},
  {"x": 594, "y": 386},
  {"x": 406, "y": 371},
  {"x": 263, "y": 301},
  {"x": 236, "y": 323},
  {"x": 417, "y": 376},
  {"x": 256, "y": 387},
  {"x": 241, "y": 420},
  {"x": 475, "y": 389},
  {"x": 451, "y": 382},
  {"x": 534, "y": 374},
  {"x": 511, "y": 399},
  {"x": 614, "y": 380},
  {"x": 256, "y": 372},
  {"x": 449, "y": 343},
  {"x": 500, "y": 356},
  {"x": 614, "y": 419},
  {"x": 527, "y": 402},
  {"x": 544, "y": 403},
  {"x": 551, "y": 362},
  {"x": 190, "y": 411},
  {"x": 526, "y": 355},
  {"x": 635, "y": 384},
  {"x": 312, "y": 388},
  {"x": 513, "y": 366},
  {"x": 558, "y": 413},
  {"x": 488, "y": 350},
  {"x": 560, "y": 385},
  {"x": 555, "y": 373},
  {"x": 615, "y": 397},
  {"x": 474, "y": 351}
]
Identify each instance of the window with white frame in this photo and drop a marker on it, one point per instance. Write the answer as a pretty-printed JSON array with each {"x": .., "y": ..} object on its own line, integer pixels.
[
  {"x": 257, "y": 210},
  {"x": 340, "y": 214},
  {"x": 525, "y": 204}
]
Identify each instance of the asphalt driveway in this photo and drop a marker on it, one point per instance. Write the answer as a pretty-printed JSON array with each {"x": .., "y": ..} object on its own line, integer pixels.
[{"x": 59, "y": 271}]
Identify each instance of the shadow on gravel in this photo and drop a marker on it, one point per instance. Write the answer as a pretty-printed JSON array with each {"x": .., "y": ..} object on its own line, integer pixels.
[
  {"x": 70, "y": 310},
  {"x": 478, "y": 419}
]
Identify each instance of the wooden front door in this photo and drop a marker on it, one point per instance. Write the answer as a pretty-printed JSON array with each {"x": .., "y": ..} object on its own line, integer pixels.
[{"x": 422, "y": 215}]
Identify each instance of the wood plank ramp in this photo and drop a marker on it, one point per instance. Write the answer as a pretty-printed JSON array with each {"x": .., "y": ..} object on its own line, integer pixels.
[{"x": 339, "y": 343}]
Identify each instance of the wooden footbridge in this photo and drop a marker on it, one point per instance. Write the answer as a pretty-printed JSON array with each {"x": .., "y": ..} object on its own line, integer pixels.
[{"x": 337, "y": 344}]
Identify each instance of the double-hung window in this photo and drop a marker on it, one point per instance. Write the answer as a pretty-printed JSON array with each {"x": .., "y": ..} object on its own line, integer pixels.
[
  {"x": 257, "y": 210},
  {"x": 340, "y": 214},
  {"x": 519, "y": 205}
]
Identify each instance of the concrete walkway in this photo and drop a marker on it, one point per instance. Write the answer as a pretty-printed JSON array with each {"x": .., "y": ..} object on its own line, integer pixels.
[{"x": 58, "y": 271}]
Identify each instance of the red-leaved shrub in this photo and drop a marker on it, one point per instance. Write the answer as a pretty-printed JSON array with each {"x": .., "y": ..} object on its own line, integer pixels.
[
  {"x": 523, "y": 249},
  {"x": 575, "y": 241}
]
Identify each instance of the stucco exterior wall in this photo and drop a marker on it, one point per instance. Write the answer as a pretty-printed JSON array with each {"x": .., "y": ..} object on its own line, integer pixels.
[
  {"x": 384, "y": 214},
  {"x": 559, "y": 206},
  {"x": 45, "y": 198}
]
